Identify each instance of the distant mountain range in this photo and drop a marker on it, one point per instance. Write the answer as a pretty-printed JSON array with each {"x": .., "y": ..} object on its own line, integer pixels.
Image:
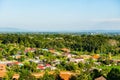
[
  {"x": 12, "y": 30},
  {"x": 100, "y": 31},
  {"x": 24, "y": 30}
]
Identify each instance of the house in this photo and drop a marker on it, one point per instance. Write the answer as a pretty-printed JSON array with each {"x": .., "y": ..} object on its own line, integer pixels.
[
  {"x": 15, "y": 76},
  {"x": 48, "y": 65},
  {"x": 5, "y": 62},
  {"x": 67, "y": 54},
  {"x": 45, "y": 66},
  {"x": 35, "y": 61},
  {"x": 17, "y": 56},
  {"x": 65, "y": 49},
  {"x": 2, "y": 70},
  {"x": 100, "y": 78},
  {"x": 96, "y": 56},
  {"x": 18, "y": 63},
  {"x": 76, "y": 60},
  {"x": 45, "y": 49},
  {"x": 85, "y": 56},
  {"x": 9, "y": 64},
  {"x": 37, "y": 75},
  {"x": 65, "y": 75},
  {"x": 41, "y": 67},
  {"x": 52, "y": 51},
  {"x": 55, "y": 62},
  {"x": 53, "y": 68},
  {"x": 97, "y": 63},
  {"x": 117, "y": 62},
  {"x": 30, "y": 50},
  {"x": 57, "y": 53}
]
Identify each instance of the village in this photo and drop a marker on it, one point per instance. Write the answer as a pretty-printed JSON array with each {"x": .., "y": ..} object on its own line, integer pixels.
[
  {"x": 59, "y": 57},
  {"x": 51, "y": 60}
]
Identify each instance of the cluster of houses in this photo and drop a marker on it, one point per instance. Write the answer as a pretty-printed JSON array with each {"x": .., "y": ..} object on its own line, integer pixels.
[
  {"x": 65, "y": 52},
  {"x": 30, "y": 50},
  {"x": 65, "y": 75},
  {"x": 42, "y": 65},
  {"x": 11, "y": 63}
]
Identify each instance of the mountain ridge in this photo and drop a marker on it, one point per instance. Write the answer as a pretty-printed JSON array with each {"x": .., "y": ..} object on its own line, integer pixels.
[{"x": 10, "y": 29}]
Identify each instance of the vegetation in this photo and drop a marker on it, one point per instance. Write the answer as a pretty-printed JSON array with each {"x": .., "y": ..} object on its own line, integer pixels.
[
  {"x": 95, "y": 43},
  {"x": 86, "y": 56}
]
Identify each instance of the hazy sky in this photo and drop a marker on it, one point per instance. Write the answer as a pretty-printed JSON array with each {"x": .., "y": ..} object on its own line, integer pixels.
[{"x": 60, "y": 15}]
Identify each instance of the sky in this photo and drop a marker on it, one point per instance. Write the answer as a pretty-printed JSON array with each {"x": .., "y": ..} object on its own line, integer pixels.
[{"x": 60, "y": 15}]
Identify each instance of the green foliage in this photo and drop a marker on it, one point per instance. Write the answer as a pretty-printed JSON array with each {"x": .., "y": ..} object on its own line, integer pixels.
[
  {"x": 31, "y": 67},
  {"x": 73, "y": 77},
  {"x": 10, "y": 74},
  {"x": 21, "y": 59},
  {"x": 114, "y": 74},
  {"x": 84, "y": 76},
  {"x": 13, "y": 44},
  {"x": 47, "y": 76},
  {"x": 95, "y": 74},
  {"x": 81, "y": 65},
  {"x": 70, "y": 66},
  {"x": 26, "y": 75},
  {"x": 96, "y": 43}
]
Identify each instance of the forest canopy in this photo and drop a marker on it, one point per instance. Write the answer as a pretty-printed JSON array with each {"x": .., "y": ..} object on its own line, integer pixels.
[{"x": 98, "y": 43}]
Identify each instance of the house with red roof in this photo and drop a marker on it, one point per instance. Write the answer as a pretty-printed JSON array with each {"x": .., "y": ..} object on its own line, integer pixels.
[{"x": 40, "y": 67}]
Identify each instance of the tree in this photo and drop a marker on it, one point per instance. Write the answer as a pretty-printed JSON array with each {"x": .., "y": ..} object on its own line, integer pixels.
[
  {"x": 114, "y": 74},
  {"x": 13, "y": 51},
  {"x": 30, "y": 54},
  {"x": 57, "y": 75},
  {"x": 21, "y": 42},
  {"x": 1, "y": 56},
  {"x": 95, "y": 74},
  {"x": 25, "y": 75},
  {"x": 70, "y": 66},
  {"x": 84, "y": 76},
  {"x": 46, "y": 76},
  {"x": 73, "y": 77},
  {"x": 80, "y": 65},
  {"x": 22, "y": 58},
  {"x": 10, "y": 74}
]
